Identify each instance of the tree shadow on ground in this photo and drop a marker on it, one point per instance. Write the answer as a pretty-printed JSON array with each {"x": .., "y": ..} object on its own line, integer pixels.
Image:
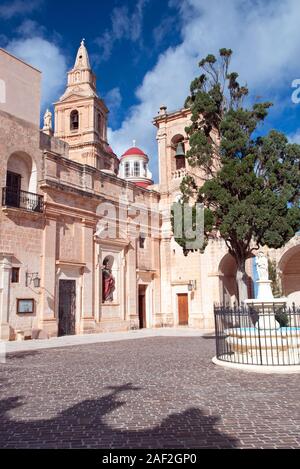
[
  {"x": 83, "y": 426},
  {"x": 10, "y": 356}
]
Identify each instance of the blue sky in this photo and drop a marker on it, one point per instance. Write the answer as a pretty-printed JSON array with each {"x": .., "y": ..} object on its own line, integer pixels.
[{"x": 145, "y": 53}]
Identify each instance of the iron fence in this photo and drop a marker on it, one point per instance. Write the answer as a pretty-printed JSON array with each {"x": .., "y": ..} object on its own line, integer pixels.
[
  {"x": 264, "y": 335},
  {"x": 21, "y": 199}
]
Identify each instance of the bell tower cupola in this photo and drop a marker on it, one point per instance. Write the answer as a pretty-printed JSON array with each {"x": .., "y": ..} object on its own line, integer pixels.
[
  {"x": 81, "y": 117},
  {"x": 82, "y": 73}
]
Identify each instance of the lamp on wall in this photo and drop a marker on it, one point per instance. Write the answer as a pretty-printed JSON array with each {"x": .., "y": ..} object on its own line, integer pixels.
[
  {"x": 192, "y": 285},
  {"x": 33, "y": 278}
]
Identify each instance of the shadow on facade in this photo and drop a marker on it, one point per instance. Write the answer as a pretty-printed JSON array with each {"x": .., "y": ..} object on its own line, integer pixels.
[{"x": 84, "y": 426}]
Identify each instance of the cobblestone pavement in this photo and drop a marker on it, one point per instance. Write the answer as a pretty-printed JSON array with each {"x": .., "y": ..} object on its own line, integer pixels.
[{"x": 159, "y": 392}]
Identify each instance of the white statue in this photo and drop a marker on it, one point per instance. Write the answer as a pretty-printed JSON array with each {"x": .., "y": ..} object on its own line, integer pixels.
[
  {"x": 47, "y": 120},
  {"x": 262, "y": 266}
]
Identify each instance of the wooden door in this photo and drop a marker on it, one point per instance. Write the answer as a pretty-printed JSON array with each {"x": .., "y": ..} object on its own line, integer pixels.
[
  {"x": 183, "y": 309},
  {"x": 142, "y": 306},
  {"x": 13, "y": 189},
  {"x": 67, "y": 307}
]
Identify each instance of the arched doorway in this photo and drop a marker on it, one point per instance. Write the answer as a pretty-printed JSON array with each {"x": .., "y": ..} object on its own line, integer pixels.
[
  {"x": 22, "y": 165},
  {"x": 21, "y": 182},
  {"x": 289, "y": 266}
]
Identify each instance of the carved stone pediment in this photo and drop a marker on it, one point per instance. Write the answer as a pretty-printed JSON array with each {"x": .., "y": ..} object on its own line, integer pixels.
[{"x": 72, "y": 96}]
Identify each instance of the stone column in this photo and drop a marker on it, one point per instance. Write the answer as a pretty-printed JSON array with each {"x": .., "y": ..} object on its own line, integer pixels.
[
  {"x": 87, "y": 323},
  {"x": 5, "y": 272}
]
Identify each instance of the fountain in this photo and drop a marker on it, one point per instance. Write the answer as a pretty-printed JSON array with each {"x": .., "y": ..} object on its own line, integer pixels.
[{"x": 272, "y": 333}]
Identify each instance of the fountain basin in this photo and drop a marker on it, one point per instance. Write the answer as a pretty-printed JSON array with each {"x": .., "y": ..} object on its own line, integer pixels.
[{"x": 264, "y": 346}]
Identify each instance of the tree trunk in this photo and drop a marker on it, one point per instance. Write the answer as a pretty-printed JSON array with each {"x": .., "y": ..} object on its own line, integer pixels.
[{"x": 241, "y": 279}]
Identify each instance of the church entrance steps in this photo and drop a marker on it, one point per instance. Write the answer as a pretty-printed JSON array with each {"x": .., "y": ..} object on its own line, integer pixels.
[{"x": 71, "y": 341}]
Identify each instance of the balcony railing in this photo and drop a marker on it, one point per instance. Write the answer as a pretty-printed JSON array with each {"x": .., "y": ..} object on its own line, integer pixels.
[
  {"x": 179, "y": 173},
  {"x": 21, "y": 199}
]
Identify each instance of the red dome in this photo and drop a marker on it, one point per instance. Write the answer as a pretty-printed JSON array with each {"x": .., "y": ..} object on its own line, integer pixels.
[
  {"x": 144, "y": 184},
  {"x": 134, "y": 151}
]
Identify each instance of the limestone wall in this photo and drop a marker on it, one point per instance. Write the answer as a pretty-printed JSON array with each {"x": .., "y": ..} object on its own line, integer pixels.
[{"x": 20, "y": 88}]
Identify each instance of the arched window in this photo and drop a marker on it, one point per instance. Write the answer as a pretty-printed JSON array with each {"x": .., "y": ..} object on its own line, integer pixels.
[
  {"x": 74, "y": 120},
  {"x": 127, "y": 170},
  {"x": 77, "y": 77},
  {"x": 137, "y": 170},
  {"x": 178, "y": 152}
]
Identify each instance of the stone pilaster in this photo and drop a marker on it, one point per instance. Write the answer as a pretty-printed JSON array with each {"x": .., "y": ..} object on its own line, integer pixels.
[
  {"x": 5, "y": 272},
  {"x": 47, "y": 320},
  {"x": 166, "y": 313},
  {"x": 87, "y": 322}
]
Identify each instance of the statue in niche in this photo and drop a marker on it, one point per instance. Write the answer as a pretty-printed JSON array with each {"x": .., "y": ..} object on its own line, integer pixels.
[
  {"x": 108, "y": 280},
  {"x": 262, "y": 266}
]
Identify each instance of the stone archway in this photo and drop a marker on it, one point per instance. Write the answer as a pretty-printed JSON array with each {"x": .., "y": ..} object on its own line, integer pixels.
[
  {"x": 289, "y": 266},
  {"x": 228, "y": 285},
  {"x": 20, "y": 163}
]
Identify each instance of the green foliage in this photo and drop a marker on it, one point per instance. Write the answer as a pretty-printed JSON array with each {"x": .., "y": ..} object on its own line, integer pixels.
[
  {"x": 282, "y": 317},
  {"x": 252, "y": 190}
]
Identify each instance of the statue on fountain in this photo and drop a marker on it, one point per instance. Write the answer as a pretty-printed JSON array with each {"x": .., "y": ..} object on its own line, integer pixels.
[{"x": 262, "y": 266}]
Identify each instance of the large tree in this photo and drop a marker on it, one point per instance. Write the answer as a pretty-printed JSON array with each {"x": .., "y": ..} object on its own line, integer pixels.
[{"x": 251, "y": 190}]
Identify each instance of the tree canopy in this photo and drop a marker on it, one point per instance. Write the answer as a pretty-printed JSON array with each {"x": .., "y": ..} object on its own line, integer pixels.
[{"x": 251, "y": 190}]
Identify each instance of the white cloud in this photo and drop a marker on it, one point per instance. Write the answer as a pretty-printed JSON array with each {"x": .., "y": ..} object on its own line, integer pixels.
[
  {"x": 124, "y": 25},
  {"x": 295, "y": 137},
  {"x": 47, "y": 57},
  {"x": 18, "y": 7},
  {"x": 113, "y": 99},
  {"x": 264, "y": 35},
  {"x": 30, "y": 28}
]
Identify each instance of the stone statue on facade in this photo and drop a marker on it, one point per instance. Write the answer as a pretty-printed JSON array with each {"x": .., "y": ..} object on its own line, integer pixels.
[
  {"x": 108, "y": 281},
  {"x": 262, "y": 266},
  {"x": 48, "y": 121}
]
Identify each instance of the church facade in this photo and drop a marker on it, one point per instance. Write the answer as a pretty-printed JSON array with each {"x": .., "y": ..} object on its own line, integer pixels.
[{"x": 86, "y": 243}]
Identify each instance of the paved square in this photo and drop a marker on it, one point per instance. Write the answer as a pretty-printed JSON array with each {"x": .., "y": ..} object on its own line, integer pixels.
[{"x": 159, "y": 392}]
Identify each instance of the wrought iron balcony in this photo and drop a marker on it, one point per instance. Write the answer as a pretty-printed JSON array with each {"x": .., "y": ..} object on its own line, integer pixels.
[{"x": 21, "y": 199}]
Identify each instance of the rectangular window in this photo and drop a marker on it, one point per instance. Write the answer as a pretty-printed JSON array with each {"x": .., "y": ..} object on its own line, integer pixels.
[
  {"x": 127, "y": 170},
  {"x": 142, "y": 242},
  {"x": 15, "y": 275},
  {"x": 137, "y": 172}
]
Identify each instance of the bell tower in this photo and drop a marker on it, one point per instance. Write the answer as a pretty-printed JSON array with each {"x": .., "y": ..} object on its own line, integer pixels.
[{"x": 81, "y": 117}]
